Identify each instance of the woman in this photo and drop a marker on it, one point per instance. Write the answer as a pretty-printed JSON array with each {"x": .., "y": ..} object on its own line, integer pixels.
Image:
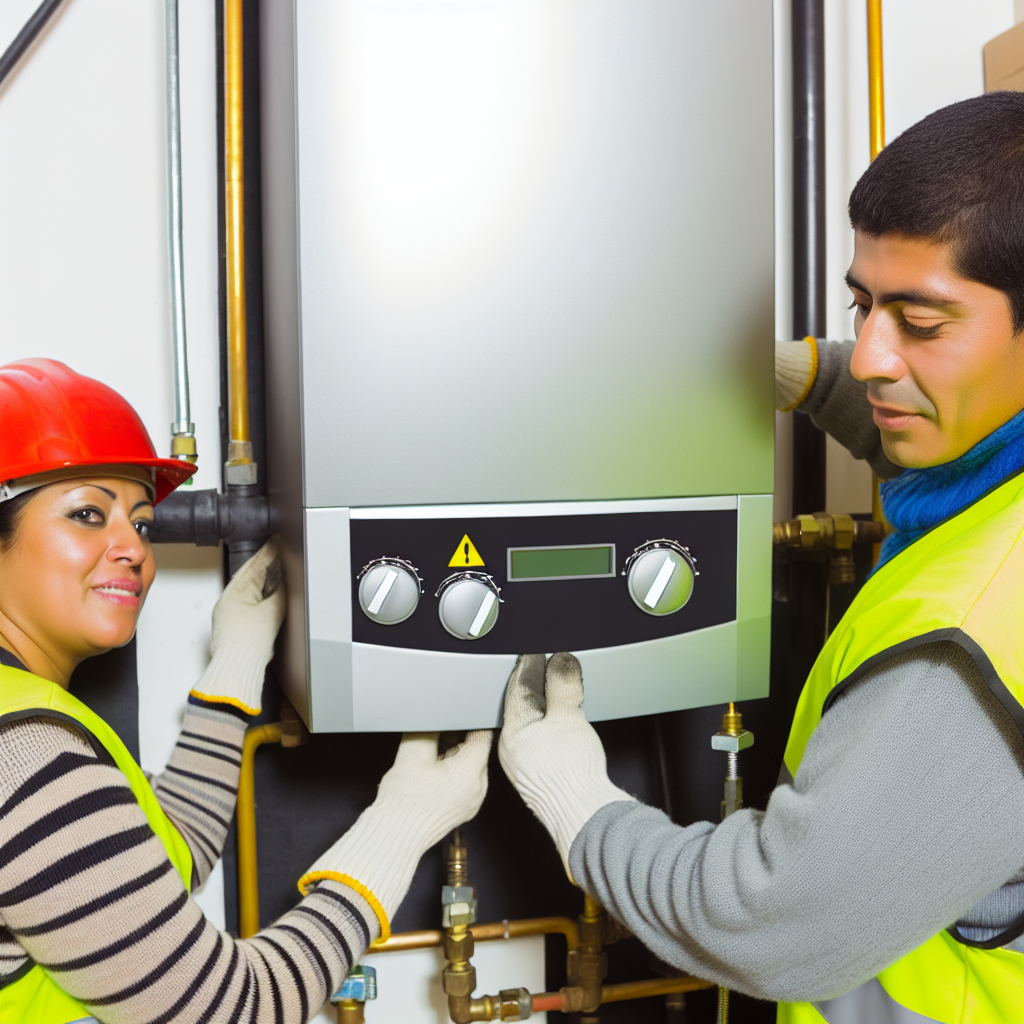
[{"x": 96, "y": 862}]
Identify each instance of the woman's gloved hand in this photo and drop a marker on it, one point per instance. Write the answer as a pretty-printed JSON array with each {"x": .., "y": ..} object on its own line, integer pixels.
[
  {"x": 796, "y": 367},
  {"x": 549, "y": 750},
  {"x": 246, "y": 620},
  {"x": 423, "y": 796}
]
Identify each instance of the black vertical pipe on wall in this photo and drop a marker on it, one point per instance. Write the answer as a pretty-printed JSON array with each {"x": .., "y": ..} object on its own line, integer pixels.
[
  {"x": 253, "y": 224},
  {"x": 808, "y": 232}
]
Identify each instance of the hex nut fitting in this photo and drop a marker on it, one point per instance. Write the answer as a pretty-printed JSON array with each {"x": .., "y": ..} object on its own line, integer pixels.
[
  {"x": 459, "y": 947},
  {"x": 458, "y": 905},
  {"x": 459, "y": 983},
  {"x": 732, "y": 744},
  {"x": 515, "y": 1004}
]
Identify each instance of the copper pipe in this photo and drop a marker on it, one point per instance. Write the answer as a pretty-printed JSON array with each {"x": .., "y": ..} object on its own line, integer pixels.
[
  {"x": 397, "y": 942},
  {"x": 547, "y": 1001},
  {"x": 876, "y": 133},
  {"x": 528, "y": 926},
  {"x": 245, "y": 816},
  {"x": 625, "y": 991},
  {"x": 876, "y": 78},
  {"x": 240, "y": 448},
  {"x": 490, "y": 932},
  {"x": 651, "y": 987}
]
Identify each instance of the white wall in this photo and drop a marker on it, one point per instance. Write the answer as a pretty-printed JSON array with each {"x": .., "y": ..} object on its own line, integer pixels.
[
  {"x": 84, "y": 271},
  {"x": 932, "y": 57}
]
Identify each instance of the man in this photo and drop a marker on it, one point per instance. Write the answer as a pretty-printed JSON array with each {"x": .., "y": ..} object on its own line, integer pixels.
[{"x": 885, "y": 880}]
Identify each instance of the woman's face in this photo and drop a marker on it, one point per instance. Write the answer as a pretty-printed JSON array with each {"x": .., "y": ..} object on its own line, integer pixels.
[{"x": 75, "y": 575}]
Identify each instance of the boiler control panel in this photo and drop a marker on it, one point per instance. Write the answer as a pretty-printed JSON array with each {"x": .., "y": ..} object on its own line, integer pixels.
[
  {"x": 416, "y": 614},
  {"x": 510, "y": 584}
]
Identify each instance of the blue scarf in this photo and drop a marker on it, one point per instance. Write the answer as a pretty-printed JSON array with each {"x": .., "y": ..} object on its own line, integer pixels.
[{"x": 919, "y": 499}]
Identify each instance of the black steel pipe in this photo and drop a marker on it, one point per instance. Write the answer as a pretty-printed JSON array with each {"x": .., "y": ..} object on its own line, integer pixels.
[
  {"x": 205, "y": 518},
  {"x": 808, "y": 232},
  {"x": 27, "y": 36}
]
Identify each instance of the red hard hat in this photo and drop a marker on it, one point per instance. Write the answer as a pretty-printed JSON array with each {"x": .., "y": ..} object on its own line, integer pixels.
[{"x": 52, "y": 418}]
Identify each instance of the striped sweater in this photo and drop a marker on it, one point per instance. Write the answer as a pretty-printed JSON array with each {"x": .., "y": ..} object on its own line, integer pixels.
[{"x": 87, "y": 891}]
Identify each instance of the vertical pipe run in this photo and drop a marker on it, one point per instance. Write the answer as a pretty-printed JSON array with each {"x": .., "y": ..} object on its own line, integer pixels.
[
  {"x": 876, "y": 78},
  {"x": 876, "y": 132},
  {"x": 245, "y": 821},
  {"x": 183, "y": 443},
  {"x": 240, "y": 440},
  {"x": 808, "y": 24}
]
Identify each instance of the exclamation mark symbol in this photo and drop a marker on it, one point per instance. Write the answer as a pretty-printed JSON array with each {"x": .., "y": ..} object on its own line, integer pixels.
[{"x": 465, "y": 554}]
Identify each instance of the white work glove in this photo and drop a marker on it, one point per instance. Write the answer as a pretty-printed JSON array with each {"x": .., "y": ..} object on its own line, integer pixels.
[
  {"x": 246, "y": 619},
  {"x": 796, "y": 366},
  {"x": 421, "y": 798},
  {"x": 549, "y": 750}
]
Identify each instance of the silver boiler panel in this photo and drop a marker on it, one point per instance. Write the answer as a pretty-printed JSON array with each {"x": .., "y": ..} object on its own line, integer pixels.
[{"x": 519, "y": 350}]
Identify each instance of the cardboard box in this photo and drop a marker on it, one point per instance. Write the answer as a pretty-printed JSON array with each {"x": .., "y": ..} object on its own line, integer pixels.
[{"x": 1004, "y": 61}]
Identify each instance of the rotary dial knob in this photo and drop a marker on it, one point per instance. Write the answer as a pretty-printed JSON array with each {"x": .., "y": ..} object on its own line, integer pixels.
[
  {"x": 660, "y": 575},
  {"x": 468, "y": 606},
  {"x": 389, "y": 590}
]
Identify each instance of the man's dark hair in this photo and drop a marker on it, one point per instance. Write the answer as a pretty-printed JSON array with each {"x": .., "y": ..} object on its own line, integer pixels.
[{"x": 957, "y": 178}]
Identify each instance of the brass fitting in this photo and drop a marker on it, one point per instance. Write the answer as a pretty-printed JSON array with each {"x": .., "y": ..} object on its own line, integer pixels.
[
  {"x": 459, "y": 944},
  {"x": 509, "y": 1004},
  {"x": 588, "y": 966},
  {"x": 359, "y": 986},
  {"x": 183, "y": 446},
  {"x": 350, "y": 1011},
  {"x": 732, "y": 721},
  {"x": 841, "y": 568},
  {"x": 458, "y": 862},
  {"x": 824, "y": 530}
]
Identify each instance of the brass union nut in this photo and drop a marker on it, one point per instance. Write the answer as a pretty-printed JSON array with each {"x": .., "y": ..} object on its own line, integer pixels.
[
  {"x": 459, "y": 983},
  {"x": 515, "y": 1004},
  {"x": 458, "y": 947}
]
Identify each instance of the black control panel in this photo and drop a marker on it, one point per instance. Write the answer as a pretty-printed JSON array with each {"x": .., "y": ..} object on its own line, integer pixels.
[{"x": 549, "y": 614}]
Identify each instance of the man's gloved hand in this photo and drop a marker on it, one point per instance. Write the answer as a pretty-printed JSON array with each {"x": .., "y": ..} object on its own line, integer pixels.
[
  {"x": 246, "y": 619},
  {"x": 796, "y": 367},
  {"x": 549, "y": 750},
  {"x": 423, "y": 796}
]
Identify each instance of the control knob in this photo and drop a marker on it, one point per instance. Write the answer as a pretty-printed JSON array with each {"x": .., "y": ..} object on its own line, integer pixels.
[
  {"x": 468, "y": 605},
  {"x": 660, "y": 575},
  {"x": 389, "y": 590}
]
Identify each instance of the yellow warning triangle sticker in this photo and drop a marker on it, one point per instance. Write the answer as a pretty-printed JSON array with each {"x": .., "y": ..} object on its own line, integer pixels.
[{"x": 466, "y": 554}]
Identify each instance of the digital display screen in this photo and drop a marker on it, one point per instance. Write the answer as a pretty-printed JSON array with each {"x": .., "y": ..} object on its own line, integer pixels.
[{"x": 561, "y": 563}]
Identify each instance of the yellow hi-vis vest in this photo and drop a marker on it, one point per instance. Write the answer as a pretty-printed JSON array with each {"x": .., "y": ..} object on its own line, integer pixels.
[
  {"x": 35, "y": 998},
  {"x": 961, "y": 582}
]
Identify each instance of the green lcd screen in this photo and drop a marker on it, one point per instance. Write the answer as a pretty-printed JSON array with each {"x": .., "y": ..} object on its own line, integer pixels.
[{"x": 561, "y": 563}]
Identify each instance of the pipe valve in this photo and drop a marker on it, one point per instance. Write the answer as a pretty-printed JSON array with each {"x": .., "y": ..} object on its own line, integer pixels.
[{"x": 359, "y": 987}]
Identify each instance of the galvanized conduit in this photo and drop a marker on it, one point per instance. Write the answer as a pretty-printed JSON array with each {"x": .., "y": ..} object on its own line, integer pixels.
[{"x": 183, "y": 440}]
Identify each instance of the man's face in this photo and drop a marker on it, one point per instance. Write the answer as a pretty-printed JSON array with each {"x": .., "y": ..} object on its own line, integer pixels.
[{"x": 943, "y": 366}]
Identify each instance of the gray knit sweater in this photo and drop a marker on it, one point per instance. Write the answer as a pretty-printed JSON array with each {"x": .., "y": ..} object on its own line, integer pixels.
[{"x": 906, "y": 816}]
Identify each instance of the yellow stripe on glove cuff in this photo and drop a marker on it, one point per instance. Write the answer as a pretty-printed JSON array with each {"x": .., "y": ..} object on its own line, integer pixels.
[
  {"x": 307, "y": 880},
  {"x": 233, "y": 701},
  {"x": 813, "y": 342}
]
